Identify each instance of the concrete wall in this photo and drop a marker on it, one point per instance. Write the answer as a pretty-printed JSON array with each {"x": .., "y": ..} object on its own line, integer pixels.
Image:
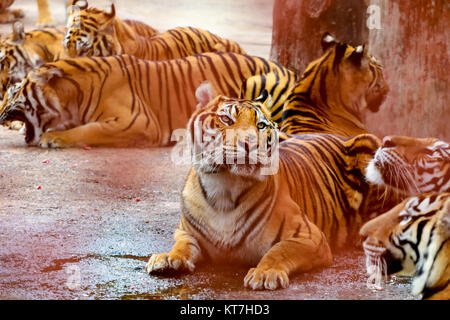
[{"x": 412, "y": 44}]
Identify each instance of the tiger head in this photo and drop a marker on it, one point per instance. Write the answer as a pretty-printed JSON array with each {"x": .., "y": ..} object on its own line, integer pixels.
[
  {"x": 412, "y": 239},
  {"x": 353, "y": 74},
  {"x": 411, "y": 165},
  {"x": 90, "y": 32},
  {"x": 25, "y": 101},
  {"x": 15, "y": 62},
  {"x": 234, "y": 135}
]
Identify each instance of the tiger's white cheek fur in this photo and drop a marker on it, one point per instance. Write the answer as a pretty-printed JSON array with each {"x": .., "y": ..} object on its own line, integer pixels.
[{"x": 373, "y": 175}]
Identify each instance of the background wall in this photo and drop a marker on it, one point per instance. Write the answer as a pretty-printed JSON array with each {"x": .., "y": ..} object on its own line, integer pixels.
[{"x": 412, "y": 44}]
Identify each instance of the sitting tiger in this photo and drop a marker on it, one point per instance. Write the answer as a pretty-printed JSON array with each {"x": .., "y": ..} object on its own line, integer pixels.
[
  {"x": 94, "y": 32},
  {"x": 413, "y": 240},
  {"x": 334, "y": 90},
  {"x": 411, "y": 165},
  {"x": 237, "y": 208},
  {"x": 121, "y": 100}
]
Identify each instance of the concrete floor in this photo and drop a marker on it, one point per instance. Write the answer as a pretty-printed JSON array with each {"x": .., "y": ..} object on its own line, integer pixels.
[{"x": 83, "y": 225}]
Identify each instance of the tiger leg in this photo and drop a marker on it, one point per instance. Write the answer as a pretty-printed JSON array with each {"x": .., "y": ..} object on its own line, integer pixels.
[
  {"x": 45, "y": 18},
  {"x": 104, "y": 133},
  {"x": 183, "y": 256},
  {"x": 302, "y": 253}
]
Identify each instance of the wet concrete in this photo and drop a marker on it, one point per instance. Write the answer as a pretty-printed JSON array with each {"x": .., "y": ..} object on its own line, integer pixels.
[{"x": 83, "y": 225}]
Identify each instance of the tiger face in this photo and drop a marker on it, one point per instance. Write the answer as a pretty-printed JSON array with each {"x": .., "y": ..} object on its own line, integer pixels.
[
  {"x": 411, "y": 165},
  {"x": 15, "y": 62},
  {"x": 412, "y": 240},
  {"x": 15, "y": 107},
  {"x": 234, "y": 135},
  {"x": 25, "y": 101},
  {"x": 90, "y": 32},
  {"x": 359, "y": 75}
]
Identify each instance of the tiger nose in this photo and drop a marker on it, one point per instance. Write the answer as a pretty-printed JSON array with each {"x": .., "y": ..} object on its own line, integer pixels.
[
  {"x": 248, "y": 146},
  {"x": 388, "y": 142}
]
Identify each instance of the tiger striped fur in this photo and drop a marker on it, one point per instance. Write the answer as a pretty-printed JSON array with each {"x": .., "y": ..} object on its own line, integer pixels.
[
  {"x": 24, "y": 51},
  {"x": 334, "y": 90},
  {"x": 94, "y": 32},
  {"x": 411, "y": 165},
  {"x": 121, "y": 100},
  {"x": 413, "y": 239},
  {"x": 283, "y": 223}
]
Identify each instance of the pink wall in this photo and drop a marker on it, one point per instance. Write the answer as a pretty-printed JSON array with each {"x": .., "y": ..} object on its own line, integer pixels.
[{"x": 413, "y": 46}]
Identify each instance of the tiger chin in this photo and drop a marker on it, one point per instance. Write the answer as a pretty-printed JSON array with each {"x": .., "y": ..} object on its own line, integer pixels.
[
  {"x": 413, "y": 240},
  {"x": 411, "y": 165},
  {"x": 241, "y": 214}
]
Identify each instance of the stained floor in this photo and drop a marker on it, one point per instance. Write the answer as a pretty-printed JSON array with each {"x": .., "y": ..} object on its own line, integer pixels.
[{"x": 80, "y": 224}]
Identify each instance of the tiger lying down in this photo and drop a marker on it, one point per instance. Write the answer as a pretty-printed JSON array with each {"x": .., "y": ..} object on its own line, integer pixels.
[
  {"x": 277, "y": 221},
  {"x": 413, "y": 238},
  {"x": 122, "y": 100}
]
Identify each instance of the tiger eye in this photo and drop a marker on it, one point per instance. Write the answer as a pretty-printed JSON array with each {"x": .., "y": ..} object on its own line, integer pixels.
[{"x": 261, "y": 125}]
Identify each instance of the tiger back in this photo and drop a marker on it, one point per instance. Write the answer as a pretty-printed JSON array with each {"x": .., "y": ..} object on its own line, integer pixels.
[
  {"x": 121, "y": 100},
  {"x": 93, "y": 32}
]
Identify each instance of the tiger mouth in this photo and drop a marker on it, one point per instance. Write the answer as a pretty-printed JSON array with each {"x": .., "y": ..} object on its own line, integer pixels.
[{"x": 380, "y": 260}]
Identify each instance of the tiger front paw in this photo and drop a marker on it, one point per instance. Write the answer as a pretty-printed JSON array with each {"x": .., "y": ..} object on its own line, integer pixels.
[
  {"x": 270, "y": 279},
  {"x": 45, "y": 22},
  {"x": 16, "y": 125},
  {"x": 50, "y": 140},
  {"x": 18, "y": 13},
  {"x": 167, "y": 262}
]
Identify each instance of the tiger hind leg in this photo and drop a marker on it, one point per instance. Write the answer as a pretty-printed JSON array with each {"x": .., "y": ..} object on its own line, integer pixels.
[{"x": 300, "y": 254}]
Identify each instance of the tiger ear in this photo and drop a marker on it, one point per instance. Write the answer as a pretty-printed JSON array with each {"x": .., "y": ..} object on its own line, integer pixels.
[
  {"x": 328, "y": 41},
  {"x": 360, "y": 56},
  {"x": 82, "y": 4},
  {"x": 108, "y": 25},
  {"x": 18, "y": 34},
  {"x": 204, "y": 94},
  {"x": 44, "y": 75},
  {"x": 265, "y": 98}
]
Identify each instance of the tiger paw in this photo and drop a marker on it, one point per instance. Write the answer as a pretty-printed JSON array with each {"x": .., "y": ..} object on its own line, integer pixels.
[
  {"x": 45, "y": 22},
  {"x": 166, "y": 263},
  {"x": 18, "y": 13},
  {"x": 16, "y": 125},
  {"x": 50, "y": 140},
  {"x": 270, "y": 279}
]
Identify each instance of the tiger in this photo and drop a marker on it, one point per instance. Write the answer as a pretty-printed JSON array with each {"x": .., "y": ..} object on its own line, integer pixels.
[
  {"x": 413, "y": 240},
  {"x": 121, "y": 100},
  {"x": 334, "y": 90},
  {"x": 24, "y": 51},
  {"x": 94, "y": 32},
  {"x": 245, "y": 211},
  {"x": 280, "y": 87},
  {"x": 7, "y": 15},
  {"x": 411, "y": 165}
]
